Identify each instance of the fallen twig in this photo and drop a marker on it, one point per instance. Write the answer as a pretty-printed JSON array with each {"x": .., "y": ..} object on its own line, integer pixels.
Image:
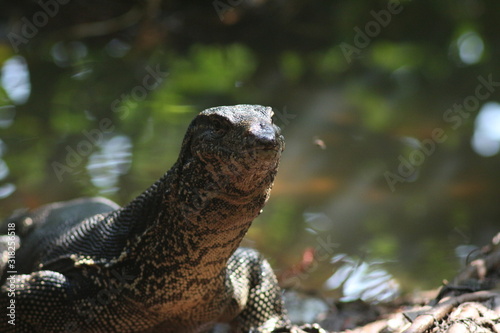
[{"x": 425, "y": 321}]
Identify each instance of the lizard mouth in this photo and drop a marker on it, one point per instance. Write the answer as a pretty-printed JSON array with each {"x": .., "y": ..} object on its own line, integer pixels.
[
  {"x": 264, "y": 148},
  {"x": 260, "y": 148},
  {"x": 263, "y": 153},
  {"x": 271, "y": 143}
]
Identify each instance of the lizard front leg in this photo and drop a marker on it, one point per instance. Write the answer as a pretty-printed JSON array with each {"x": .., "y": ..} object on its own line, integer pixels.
[
  {"x": 256, "y": 297},
  {"x": 256, "y": 292},
  {"x": 29, "y": 296}
]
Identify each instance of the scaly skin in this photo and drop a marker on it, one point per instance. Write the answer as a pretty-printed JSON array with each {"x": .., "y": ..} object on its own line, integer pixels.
[{"x": 169, "y": 260}]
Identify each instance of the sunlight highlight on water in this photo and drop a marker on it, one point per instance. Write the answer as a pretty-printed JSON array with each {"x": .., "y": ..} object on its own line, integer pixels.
[
  {"x": 6, "y": 190},
  {"x": 470, "y": 48},
  {"x": 486, "y": 138},
  {"x": 112, "y": 160},
  {"x": 363, "y": 280},
  {"x": 16, "y": 79}
]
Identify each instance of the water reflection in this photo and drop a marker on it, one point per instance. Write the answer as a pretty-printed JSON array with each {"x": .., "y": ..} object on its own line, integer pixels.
[
  {"x": 363, "y": 280},
  {"x": 16, "y": 79},
  {"x": 4, "y": 169},
  {"x": 65, "y": 54},
  {"x": 7, "y": 114},
  {"x": 5, "y": 189},
  {"x": 486, "y": 139},
  {"x": 470, "y": 48},
  {"x": 465, "y": 253},
  {"x": 318, "y": 221},
  {"x": 117, "y": 48},
  {"x": 109, "y": 162}
]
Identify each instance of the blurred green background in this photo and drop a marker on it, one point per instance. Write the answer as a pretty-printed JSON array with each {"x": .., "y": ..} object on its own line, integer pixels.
[{"x": 390, "y": 111}]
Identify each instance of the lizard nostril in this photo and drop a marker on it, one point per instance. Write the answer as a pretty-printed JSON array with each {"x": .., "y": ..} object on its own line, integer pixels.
[{"x": 264, "y": 135}]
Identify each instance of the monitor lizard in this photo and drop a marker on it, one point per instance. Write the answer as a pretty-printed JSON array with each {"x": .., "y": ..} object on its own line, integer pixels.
[{"x": 169, "y": 261}]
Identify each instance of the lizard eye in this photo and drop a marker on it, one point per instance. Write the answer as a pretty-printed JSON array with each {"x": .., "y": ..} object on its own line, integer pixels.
[{"x": 218, "y": 128}]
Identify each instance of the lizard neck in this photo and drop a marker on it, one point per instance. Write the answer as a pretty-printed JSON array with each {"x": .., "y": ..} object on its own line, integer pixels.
[
  {"x": 187, "y": 228},
  {"x": 196, "y": 214}
]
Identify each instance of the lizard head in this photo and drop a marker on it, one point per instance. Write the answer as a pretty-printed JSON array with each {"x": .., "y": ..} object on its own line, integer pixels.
[{"x": 239, "y": 146}]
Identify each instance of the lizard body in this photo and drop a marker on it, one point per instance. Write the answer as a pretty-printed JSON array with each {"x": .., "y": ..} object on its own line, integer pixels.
[{"x": 169, "y": 260}]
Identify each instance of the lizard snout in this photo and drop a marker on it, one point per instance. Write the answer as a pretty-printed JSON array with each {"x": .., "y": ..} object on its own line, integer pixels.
[{"x": 266, "y": 136}]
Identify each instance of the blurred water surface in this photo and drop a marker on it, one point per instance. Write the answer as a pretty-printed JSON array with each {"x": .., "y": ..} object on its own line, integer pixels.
[{"x": 390, "y": 175}]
